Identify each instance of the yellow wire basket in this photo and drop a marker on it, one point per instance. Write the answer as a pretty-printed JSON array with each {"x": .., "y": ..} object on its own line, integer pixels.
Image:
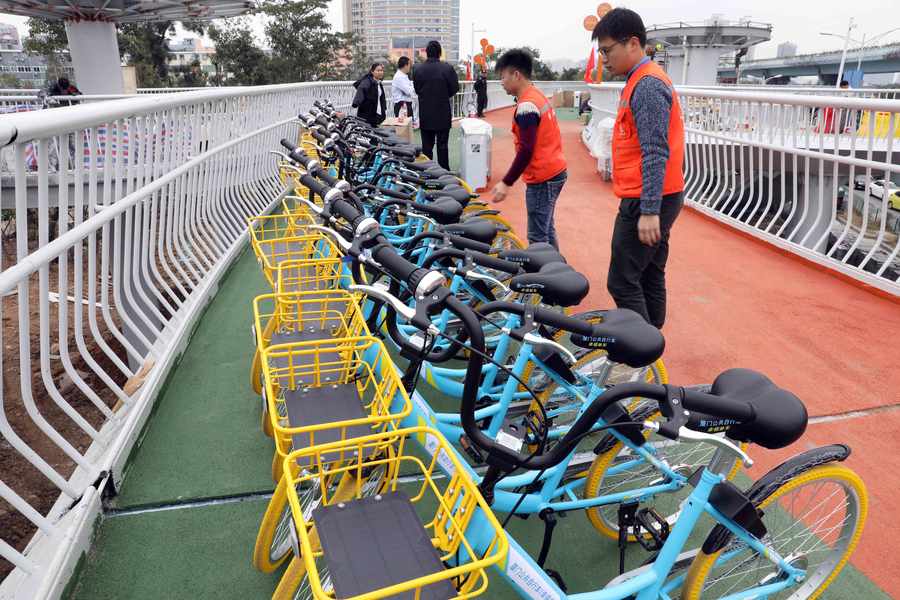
[
  {"x": 413, "y": 534},
  {"x": 322, "y": 391},
  {"x": 302, "y": 244}
]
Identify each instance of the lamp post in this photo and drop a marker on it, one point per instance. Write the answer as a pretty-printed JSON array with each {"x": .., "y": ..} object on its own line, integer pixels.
[
  {"x": 860, "y": 45},
  {"x": 768, "y": 79}
]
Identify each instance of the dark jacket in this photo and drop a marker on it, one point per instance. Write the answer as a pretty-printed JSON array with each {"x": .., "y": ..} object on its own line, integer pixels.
[
  {"x": 366, "y": 98},
  {"x": 480, "y": 86},
  {"x": 54, "y": 90},
  {"x": 435, "y": 82}
]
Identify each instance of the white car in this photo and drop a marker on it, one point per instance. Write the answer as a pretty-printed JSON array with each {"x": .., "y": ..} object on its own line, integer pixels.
[{"x": 876, "y": 188}]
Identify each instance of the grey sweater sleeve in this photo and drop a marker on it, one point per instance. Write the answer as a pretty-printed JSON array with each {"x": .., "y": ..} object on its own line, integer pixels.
[{"x": 651, "y": 105}]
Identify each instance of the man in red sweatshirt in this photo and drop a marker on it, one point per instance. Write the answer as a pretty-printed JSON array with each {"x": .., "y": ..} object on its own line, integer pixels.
[{"x": 539, "y": 158}]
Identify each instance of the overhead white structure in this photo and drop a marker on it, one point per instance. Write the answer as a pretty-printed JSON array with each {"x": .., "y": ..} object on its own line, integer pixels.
[
  {"x": 91, "y": 30},
  {"x": 693, "y": 49}
]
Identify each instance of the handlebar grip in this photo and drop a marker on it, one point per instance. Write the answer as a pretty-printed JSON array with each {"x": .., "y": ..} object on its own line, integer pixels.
[
  {"x": 288, "y": 145},
  {"x": 321, "y": 120},
  {"x": 314, "y": 184},
  {"x": 718, "y": 406},
  {"x": 399, "y": 267},
  {"x": 327, "y": 177},
  {"x": 317, "y": 136},
  {"x": 300, "y": 157},
  {"x": 345, "y": 209}
]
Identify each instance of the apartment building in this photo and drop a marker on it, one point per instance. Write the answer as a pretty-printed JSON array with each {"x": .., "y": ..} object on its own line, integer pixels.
[{"x": 380, "y": 21}]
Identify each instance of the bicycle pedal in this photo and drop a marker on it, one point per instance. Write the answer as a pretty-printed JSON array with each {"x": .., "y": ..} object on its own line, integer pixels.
[
  {"x": 643, "y": 525},
  {"x": 558, "y": 579},
  {"x": 534, "y": 427},
  {"x": 470, "y": 448}
]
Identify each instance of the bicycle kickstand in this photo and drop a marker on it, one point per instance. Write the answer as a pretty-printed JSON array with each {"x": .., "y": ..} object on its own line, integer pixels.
[{"x": 549, "y": 520}]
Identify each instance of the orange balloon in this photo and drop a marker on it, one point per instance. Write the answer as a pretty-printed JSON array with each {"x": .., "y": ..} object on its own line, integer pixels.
[
  {"x": 590, "y": 22},
  {"x": 489, "y": 49},
  {"x": 484, "y": 42},
  {"x": 603, "y": 9}
]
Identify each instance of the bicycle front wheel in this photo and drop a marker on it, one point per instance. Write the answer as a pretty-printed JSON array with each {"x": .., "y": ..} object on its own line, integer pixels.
[{"x": 813, "y": 522}]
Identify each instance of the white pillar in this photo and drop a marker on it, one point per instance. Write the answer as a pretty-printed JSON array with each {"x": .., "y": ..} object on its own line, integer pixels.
[{"x": 95, "y": 55}]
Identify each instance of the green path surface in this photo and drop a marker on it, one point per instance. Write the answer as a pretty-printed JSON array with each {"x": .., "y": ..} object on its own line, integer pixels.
[
  {"x": 197, "y": 552},
  {"x": 206, "y": 440}
]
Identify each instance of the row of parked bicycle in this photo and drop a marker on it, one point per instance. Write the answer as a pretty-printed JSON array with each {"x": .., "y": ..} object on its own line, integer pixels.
[{"x": 391, "y": 281}]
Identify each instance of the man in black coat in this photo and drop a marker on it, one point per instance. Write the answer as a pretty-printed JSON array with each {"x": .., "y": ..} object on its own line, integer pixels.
[
  {"x": 435, "y": 82},
  {"x": 480, "y": 87}
]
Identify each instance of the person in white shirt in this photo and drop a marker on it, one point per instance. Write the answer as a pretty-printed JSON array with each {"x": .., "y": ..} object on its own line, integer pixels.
[{"x": 402, "y": 88}]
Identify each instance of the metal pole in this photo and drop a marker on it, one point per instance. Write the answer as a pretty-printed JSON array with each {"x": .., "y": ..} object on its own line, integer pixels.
[
  {"x": 844, "y": 55},
  {"x": 862, "y": 49}
]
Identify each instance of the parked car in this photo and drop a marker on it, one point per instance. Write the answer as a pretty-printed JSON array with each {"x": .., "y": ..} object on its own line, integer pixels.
[
  {"x": 877, "y": 188},
  {"x": 843, "y": 192},
  {"x": 894, "y": 201},
  {"x": 859, "y": 182}
]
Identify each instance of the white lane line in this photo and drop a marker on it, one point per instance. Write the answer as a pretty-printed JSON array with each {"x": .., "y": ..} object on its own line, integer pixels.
[{"x": 853, "y": 415}]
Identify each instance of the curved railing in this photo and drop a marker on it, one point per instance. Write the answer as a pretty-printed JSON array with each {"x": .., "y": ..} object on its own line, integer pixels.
[{"x": 775, "y": 166}]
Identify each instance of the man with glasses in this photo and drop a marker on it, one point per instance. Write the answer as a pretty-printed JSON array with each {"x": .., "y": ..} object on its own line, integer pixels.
[{"x": 648, "y": 153}]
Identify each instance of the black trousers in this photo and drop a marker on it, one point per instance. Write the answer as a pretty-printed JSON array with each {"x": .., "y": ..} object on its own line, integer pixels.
[
  {"x": 637, "y": 272},
  {"x": 481, "y": 104},
  {"x": 399, "y": 105},
  {"x": 428, "y": 139}
]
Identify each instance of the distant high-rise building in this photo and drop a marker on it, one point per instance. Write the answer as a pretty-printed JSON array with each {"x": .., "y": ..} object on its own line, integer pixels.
[
  {"x": 561, "y": 64},
  {"x": 378, "y": 21},
  {"x": 786, "y": 49},
  {"x": 9, "y": 36}
]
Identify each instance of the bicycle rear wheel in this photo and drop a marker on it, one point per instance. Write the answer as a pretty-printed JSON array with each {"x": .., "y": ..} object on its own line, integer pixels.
[{"x": 813, "y": 521}]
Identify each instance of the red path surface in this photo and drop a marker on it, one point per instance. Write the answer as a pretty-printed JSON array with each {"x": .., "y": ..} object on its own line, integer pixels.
[{"x": 734, "y": 302}]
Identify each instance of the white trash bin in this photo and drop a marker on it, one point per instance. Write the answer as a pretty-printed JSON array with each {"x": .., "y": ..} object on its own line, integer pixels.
[
  {"x": 475, "y": 136},
  {"x": 577, "y": 96}
]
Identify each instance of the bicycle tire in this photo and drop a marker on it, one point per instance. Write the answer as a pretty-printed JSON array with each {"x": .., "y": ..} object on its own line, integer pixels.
[
  {"x": 685, "y": 457},
  {"x": 821, "y": 478}
]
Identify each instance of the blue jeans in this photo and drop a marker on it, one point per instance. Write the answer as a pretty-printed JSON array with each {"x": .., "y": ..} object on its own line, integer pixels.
[{"x": 540, "y": 202}]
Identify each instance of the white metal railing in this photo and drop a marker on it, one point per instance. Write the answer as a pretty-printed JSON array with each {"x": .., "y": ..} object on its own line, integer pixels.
[
  {"x": 152, "y": 213},
  {"x": 774, "y": 165}
]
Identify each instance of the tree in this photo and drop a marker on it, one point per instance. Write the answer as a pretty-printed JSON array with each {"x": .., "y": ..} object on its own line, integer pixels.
[
  {"x": 541, "y": 71},
  {"x": 145, "y": 46},
  {"x": 48, "y": 39},
  {"x": 573, "y": 74},
  {"x": 188, "y": 76},
  {"x": 301, "y": 39},
  {"x": 237, "y": 58},
  {"x": 9, "y": 81}
]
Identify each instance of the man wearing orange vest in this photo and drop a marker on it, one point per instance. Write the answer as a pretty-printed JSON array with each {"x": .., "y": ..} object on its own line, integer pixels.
[
  {"x": 539, "y": 159},
  {"x": 648, "y": 153}
]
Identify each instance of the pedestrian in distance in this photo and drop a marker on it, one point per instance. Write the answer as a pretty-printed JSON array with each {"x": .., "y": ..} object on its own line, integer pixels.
[
  {"x": 402, "y": 88},
  {"x": 648, "y": 153},
  {"x": 480, "y": 87},
  {"x": 369, "y": 100},
  {"x": 539, "y": 157},
  {"x": 62, "y": 87},
  {"x": 435, "y": 82}
]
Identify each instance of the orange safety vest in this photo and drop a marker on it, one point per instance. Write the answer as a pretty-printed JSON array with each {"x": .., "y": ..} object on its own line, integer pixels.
[
  {"x": 627, "y": 157},
  {"x": 548, "y": 159}
]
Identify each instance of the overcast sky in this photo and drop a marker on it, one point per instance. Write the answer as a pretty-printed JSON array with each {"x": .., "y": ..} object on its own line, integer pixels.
[{"x": 558, "y": 32}]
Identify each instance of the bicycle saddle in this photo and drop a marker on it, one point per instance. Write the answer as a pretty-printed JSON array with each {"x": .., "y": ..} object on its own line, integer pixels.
[
  {"x": 781, "y": 417},
  {"x": 457, "y": 193},
  {"x": 558, "y": 284},
  {"x": 445, "y": 211},
  {"x": 626, "y": 337},
  {"x": 425, "y": 165},
  {"x": 431, "y": 184},
  {"x": 533, "y": 257},
  {"x": 479, "y": 230}
]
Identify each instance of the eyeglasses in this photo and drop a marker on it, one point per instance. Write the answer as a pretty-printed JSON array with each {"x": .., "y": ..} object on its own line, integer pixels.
[{"x": 604, "y": 51}]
